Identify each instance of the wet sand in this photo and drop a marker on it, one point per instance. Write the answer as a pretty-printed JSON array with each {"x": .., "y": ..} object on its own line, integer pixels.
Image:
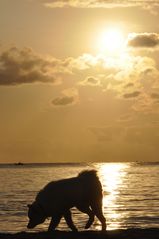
[{"x": 152, "y": 233}]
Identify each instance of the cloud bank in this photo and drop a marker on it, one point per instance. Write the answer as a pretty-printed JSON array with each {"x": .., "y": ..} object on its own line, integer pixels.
[
  {"x": 100, "y": 3},
  {"x": 128, "y": 78}
]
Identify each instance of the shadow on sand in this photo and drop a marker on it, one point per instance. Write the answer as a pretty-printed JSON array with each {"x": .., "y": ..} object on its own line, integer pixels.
[{"x": 152, "y": 233}]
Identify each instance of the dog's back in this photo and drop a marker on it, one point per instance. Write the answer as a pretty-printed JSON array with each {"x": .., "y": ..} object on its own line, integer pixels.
[{"x": 72, "y": 191}]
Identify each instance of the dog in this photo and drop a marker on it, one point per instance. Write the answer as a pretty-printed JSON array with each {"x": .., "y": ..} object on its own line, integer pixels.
[{"x": 57, "y": 198}]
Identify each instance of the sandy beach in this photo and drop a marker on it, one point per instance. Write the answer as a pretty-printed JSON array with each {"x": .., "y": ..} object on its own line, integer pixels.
[{"x": 152, "y": 233}]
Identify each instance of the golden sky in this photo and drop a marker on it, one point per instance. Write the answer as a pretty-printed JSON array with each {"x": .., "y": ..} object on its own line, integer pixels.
[{"x": 79, "y": 80}]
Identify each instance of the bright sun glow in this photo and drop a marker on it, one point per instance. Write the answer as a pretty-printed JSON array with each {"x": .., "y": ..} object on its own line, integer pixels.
[{"x": 111, "y": 41}]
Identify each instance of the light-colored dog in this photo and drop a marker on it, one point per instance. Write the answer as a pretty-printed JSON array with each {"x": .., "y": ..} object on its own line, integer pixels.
[{"x": 57, "y": 198}]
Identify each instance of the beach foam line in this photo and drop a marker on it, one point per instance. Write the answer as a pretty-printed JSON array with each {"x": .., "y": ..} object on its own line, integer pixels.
[{"x": 151, "y": 233}]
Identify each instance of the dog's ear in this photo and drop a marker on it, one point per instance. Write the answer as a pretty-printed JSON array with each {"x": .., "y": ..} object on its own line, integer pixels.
[{"x": 34, "y": 207}]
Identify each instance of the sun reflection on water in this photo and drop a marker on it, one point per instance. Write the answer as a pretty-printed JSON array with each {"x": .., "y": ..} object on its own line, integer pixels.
[{"x": 112, "y": 176}]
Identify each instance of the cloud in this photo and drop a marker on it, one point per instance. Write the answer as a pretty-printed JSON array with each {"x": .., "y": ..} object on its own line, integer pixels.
[
  {"x": 129, "y": 77},
  {"x": 134, "y": 135},
  {"x": 143, "y": 135},
  {"x": 129, "y": 85},
  {"x": 143, "y": 40},
  {"x": 91, "y": 81},
  {"x": 155, "y": 96},
  {"x": 69, "y": 97},
  {"x": 136, "y": 80},
  {"x": 24, "y": 66},
  {"x": 132, "y": 95},
  {"x": 107, "y": 133},
  {"x": 64, "y": 100},
  {"x": 143, "y": 103},
  {"x": 147, "y": 4},
  {"x": 129, "y": 73}
]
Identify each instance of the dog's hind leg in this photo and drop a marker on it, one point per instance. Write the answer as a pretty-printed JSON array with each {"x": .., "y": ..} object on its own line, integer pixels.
[
  {"x": 68, "y": 218},
  {"x": 90, "y": 213},
  {"x": 97, "y": 209}
]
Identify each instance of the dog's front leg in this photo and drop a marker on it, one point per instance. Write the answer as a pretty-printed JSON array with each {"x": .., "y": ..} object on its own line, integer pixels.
[
  {"x": 54, "y": 222},
  {"x": 68, "y": 218}
]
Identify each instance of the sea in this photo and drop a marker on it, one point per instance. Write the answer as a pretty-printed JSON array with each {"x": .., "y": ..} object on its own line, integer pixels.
[{"x": 130, "y": 194}]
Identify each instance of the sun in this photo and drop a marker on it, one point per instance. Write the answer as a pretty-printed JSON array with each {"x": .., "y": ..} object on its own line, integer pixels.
[{"x": 111, "y": 41}]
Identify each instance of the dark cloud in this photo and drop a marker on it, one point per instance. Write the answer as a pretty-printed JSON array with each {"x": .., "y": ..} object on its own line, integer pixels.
[
  {"x": 69, "y": 97},
  {"x": 23, "y": 66},
  {"x": 132, "y": 94},
  {"x": 155, "y": 96},
  {"x": 146, "y": 40},
  {"x": 92, "y": 81},
  {"x": 64, "y": 100},
  {"x": 128, "y": 85}
]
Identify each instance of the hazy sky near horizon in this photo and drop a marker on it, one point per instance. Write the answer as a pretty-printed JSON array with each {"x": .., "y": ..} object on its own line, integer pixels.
[{"x": 79, "y": 80}]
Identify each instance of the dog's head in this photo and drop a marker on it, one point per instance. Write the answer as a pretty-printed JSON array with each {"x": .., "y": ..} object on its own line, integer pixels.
[{"x": 36, "y": 215}]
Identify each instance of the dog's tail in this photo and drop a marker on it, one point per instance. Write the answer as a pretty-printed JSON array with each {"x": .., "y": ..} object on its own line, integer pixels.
[
  {"x": 88, "y": 173},
  {"x": 91, "y": 180}
]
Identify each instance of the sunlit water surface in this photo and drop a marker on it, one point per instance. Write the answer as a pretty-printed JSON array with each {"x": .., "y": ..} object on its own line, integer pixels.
[{"x": 131, "y": 194}]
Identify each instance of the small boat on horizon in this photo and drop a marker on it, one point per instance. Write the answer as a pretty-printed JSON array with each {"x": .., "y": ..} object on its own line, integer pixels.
[{"x": 19, "y": 164}]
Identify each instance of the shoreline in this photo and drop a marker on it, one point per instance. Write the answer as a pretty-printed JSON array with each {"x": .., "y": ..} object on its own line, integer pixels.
[{"x": 135, "y": 233}]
